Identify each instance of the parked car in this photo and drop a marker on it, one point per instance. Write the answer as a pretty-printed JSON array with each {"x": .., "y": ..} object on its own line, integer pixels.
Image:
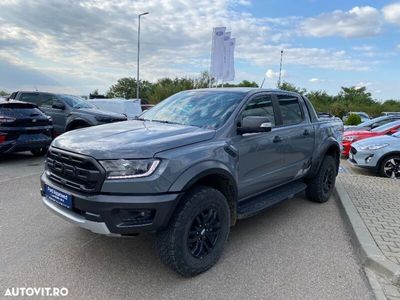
[
  {"x": 380, "y": 154},
  {"x": 349, "y": 137},
  {"x": 23, "y": 127},
  {"x": 192, "y": 166},
  {"x": 391, "y": 113},
  {"x": 364, "y": 116},
  {"x": 130, "y": 108},
  {"x": 68, "y": 112},
  {"x": 373, "y": 123}
]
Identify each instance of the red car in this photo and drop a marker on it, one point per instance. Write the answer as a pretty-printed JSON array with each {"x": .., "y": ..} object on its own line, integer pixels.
[{"x": 350, "y": 137}]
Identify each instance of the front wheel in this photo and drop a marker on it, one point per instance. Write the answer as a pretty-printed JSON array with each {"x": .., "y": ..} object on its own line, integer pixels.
[
  {"x": 390, "y": 167},
  {"x": 196, "y": 236},
  {"x": 320, "y": 188}
]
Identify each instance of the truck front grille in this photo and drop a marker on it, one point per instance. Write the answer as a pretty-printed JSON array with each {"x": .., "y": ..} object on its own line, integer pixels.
[{"x": 75, "y": 171}]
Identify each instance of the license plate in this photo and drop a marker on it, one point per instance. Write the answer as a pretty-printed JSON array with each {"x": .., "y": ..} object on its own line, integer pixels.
[{"x": 58, "y": 197}]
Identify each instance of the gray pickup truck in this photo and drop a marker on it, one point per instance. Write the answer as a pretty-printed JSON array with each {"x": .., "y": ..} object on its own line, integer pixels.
[
  {"x": 68, "y": 112},
  {"x": 190, "y": 167}
]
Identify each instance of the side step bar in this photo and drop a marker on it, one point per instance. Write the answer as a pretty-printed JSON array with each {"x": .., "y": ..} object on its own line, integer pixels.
[{"x": 257, "y": 204}]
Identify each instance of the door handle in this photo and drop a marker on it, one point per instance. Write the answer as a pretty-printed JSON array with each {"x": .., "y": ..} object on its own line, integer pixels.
[
  {"x": 277, "y": 139},
  {"x": 306, "y": 132}
]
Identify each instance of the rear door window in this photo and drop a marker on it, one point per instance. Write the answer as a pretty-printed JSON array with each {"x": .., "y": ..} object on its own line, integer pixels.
[{"x": 290, "y": 109}]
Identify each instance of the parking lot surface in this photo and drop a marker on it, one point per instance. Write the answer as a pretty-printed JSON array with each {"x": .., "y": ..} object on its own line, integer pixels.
[{"x": 295, "y": 250}]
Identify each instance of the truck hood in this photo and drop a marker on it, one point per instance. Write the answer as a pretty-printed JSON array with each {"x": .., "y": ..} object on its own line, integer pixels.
[{"x": 130, "y": 139}]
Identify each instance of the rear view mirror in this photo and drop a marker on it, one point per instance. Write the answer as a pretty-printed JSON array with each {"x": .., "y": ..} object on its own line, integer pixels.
[{"x": 254, "y": 124}]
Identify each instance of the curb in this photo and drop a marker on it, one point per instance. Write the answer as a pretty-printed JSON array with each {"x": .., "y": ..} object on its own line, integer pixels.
[{"x": 370, "y": 255}]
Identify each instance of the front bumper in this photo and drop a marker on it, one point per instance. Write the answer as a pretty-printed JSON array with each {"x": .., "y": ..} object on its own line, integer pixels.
[
  {"x": 113, "y": 214},
  {"x": 363, "y": 159}
]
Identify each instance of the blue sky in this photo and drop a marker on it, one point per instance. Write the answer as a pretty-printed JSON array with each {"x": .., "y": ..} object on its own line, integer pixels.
[{"x": 77, "y": 46}]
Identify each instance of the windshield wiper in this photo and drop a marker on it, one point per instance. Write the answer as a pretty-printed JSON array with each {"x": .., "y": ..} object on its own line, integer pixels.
[{"x": 166, "y": 122}]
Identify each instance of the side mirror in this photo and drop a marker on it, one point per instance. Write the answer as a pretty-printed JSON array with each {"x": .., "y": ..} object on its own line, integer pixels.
[
  {"x": 254, "y": 124},
  {"x": 59, "y": 105}
]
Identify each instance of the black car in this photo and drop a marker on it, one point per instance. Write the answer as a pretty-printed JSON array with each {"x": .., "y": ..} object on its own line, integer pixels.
[{"x": 23, "y": 127}]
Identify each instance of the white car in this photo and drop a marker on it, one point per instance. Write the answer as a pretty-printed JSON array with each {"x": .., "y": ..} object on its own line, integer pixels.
[{"x": 130, "y": 108}]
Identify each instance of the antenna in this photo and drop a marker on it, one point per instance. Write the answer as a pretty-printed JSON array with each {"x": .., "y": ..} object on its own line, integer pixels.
[
  {"x": 262, "y": 84},
  {"x": 280, "y": 70}
]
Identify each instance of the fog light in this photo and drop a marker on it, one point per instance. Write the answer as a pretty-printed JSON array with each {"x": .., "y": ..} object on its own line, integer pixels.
[
  {"x": 136, "y": 217},
  {"x": 368, "y": 159}
]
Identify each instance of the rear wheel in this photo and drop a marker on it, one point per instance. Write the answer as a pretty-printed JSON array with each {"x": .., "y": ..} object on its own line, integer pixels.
[
  {"x": 40, "y": 151},
  {"x": 196, "y": 236},
  {"x": 320, "y": 188},
  {"x": 390, "y": 167}
]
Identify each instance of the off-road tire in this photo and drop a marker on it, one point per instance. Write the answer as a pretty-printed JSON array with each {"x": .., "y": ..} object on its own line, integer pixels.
[
  {"x": 320, "y": 187},
  {"x": 172, "y": 244}
]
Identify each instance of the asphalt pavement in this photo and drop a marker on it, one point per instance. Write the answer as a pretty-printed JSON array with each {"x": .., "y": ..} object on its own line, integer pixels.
[{"x": 295, "y": 250}]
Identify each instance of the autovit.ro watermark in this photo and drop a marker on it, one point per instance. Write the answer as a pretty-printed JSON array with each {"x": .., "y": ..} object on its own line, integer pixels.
[{"x": 36, "y": 291}]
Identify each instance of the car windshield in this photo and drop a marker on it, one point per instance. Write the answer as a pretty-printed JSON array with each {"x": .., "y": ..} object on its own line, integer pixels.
[
  {"x": 76, "y": 102},
  {"x": 386, "y": 126},
  {"x": 370, "y": 122},
  {"x": 206, "y": 109}
]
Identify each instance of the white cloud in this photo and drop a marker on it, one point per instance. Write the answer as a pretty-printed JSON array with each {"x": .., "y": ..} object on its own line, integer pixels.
[
  {"x": 315, "y": 80},
  {"x": 358, "y": 22},
  {"x": 271, "y": 74},
  {"x": 363, "y": 84},
  {"x": 392, "y": 13}
]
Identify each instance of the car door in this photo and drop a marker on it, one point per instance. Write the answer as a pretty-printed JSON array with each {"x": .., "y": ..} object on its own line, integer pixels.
[
  {"x": 260, "y": 157},
  {"x": 298, "y": 133},
  {"x": 56, "y": 109}
]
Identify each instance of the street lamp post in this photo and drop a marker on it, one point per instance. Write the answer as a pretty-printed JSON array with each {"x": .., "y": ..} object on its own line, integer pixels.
[{"x": 138, "y": 56}]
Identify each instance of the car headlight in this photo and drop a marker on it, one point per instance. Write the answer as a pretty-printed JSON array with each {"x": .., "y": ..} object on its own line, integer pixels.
[
  {"x": 350, "y": 138},
  {"x": 126, "y": 168},
  {"x": 374, "y": 147}
]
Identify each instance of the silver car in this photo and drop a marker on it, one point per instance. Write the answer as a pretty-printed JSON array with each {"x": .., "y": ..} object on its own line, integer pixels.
[{"x": 381, "y": 154}]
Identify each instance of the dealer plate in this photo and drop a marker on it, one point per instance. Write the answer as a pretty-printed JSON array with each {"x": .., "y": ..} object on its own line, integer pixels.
[{"x": 58, "y": 197}]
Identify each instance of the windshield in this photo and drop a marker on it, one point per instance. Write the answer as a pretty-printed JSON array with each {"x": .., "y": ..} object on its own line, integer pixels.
[
  {"x": 370, "y": 122},
  {"x": 386, "y": 126},
  {"x": 207, "y": 109},
  {"x": 75, "y": 102}
]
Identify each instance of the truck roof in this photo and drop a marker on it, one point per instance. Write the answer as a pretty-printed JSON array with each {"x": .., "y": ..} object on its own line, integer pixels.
[{"x": 244, "y": 90}]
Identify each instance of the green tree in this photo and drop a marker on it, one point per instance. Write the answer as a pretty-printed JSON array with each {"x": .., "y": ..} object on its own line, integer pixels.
[
  {"x": 126, "y": 88},
  {"x": 353, "y": 119},
  {"x": 286, "y": 86},
  {"x": 4, "y": 94}
]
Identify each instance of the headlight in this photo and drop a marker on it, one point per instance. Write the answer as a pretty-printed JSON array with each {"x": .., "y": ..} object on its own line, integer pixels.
[
  {"x": 349, "y": 138},
  {"x": 125, "y": 169},
  {"x": 374, "y": 147}
]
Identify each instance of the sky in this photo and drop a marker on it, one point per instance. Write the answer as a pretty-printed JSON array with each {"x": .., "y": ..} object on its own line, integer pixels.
[{"x": 77, "y": 46}]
